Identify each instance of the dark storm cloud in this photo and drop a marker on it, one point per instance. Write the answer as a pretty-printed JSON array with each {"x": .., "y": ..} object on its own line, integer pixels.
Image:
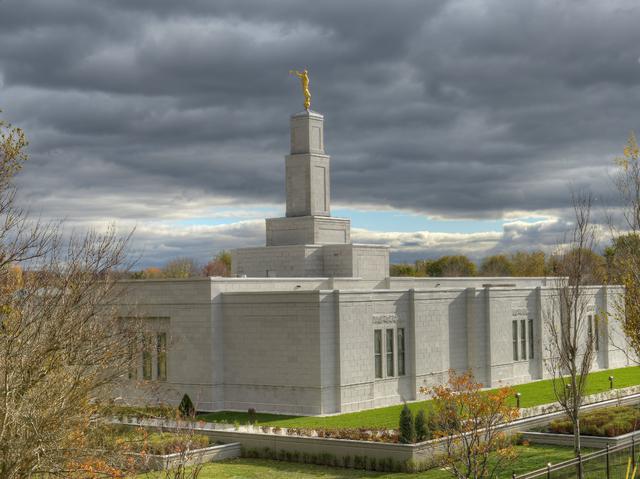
[{"x": 141, "y": 110}]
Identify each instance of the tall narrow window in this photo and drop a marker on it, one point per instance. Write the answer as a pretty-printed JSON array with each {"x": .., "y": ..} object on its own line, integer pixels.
[
  {"x": 389, "y": 352},
  {"x": 146, "y": 359},
  {"x": 377, "y": 351},
  {"x": 596, "y": 330},
  {"x": 400, "y": 337},
  {"x": 593, "y": 331},
  {"x": 161, "y": 345},
  {"x": 531, "y": 339},
  {"x": 523, "y": 339},
  {"x": 514, "y": 332},
  {"x": 133, "y": 363}
]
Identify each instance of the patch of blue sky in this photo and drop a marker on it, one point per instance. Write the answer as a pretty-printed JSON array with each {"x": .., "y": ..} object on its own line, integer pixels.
[
  {"x": 401, "y": 221},
  {"x": 372, "y": 220},
  {"x": 225, "y": 216}
]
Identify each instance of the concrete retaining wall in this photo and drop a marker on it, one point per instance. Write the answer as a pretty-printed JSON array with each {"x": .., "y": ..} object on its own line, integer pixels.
[
  {"x": 156, "y": 462},
  {"x": 594, "y": 442}
]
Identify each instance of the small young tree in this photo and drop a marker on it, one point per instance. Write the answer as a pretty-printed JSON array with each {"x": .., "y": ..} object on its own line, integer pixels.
[
  {"x": 252, "y": 416},
  {"x": 468, "y": 421},
  {"x": 186, "y": 407},
  {"x": 422, "y": 430},
  {"x": 407, "y": 428},
  {"x": 571, "y": 335}
]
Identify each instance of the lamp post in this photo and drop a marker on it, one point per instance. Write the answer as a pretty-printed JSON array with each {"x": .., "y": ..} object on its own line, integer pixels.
[
  {"x": 518, "y": 400},
  {"x": 610, "y": 382}
]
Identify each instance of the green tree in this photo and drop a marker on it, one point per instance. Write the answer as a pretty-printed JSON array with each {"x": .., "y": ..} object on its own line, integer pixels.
[
  {"x": 594, "y": 266},
  {"x": 451, "y": 266},
  {"x": 422, "y": 431},
  {"x": 181, "y": 268},
  {"x": 407, "y": 427},
  {"x": 532, "y": 264},
  {"x": 497, "y": 265},
  {"x": 186, "y": 407},
  {"x": 402, "y": 269}
]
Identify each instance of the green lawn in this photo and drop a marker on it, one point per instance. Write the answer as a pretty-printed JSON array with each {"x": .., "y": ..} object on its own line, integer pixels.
[
  {"x": 529, "y": 458},
  {"x": 533, "y": 394}
]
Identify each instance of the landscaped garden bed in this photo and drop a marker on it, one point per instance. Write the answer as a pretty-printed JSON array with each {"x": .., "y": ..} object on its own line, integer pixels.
[
  {"x": 139, "y": 449},
  {"x": 598, "y": 428},
  {"x": 605, "y": 422},
  {"x": 139, "y": 440}
]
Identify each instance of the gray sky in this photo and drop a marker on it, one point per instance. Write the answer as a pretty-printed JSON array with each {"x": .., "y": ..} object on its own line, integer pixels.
[{"x": 454, "y": 126}]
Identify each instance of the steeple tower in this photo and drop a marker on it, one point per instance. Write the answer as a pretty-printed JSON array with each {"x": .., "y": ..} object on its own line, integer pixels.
[
  {"x": 308, "y": 241},
  {"x": 308, "y": 186},
  {"x": 307, "y": 167}
]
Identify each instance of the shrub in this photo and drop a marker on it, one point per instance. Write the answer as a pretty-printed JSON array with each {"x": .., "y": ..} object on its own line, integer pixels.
[
  {"x": 251, "y": 415},
  {"x": 389, "y": 466},
  {"x": 422, "y": 433},
  {"x": 410, "y": 466},
  {"x": 609, "y": 422},
  {"x": 186, "y": 408},
  {"x": 407, "y": 428}
]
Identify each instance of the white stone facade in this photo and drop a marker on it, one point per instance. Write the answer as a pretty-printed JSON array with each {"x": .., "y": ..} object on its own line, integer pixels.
[
  {"x": 306, "y": 345},
  {"x": 313, "y": 324}
]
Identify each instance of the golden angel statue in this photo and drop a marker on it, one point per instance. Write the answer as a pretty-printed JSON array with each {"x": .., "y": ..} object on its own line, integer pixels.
[{"x": 304, "y": 79}]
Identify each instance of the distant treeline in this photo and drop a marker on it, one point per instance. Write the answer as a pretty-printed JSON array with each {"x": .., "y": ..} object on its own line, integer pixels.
[
  {"x": 185, "y": 267},
  {"x": 600, "y": 268}
]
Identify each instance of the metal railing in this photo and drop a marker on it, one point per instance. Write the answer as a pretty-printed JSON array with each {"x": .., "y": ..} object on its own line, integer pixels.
[{"x": 609, "y": 463}]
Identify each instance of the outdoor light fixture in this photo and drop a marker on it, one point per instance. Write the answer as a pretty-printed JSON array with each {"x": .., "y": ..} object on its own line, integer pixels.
[
  {"x": 518, "y": 400},
  {"x": 610, "y": 382}
]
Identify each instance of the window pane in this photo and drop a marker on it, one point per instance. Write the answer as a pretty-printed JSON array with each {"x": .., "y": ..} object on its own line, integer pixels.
[
  {"x": 593, "y": 331},
  {"x": 531, "y": 339},
  {"x": 133, "y": 361},
  {"x": 514, "y": 326},
  {"x": 596, "y": 329},
  {"x": 162, "y": 356},
  {"x": 401, "y": 369},
  {"x": 389, "y": 352},
  {"x": 146, "y": 359},
  {"x": 377, "y": 347},
  {"x": 523, "y": 338}
]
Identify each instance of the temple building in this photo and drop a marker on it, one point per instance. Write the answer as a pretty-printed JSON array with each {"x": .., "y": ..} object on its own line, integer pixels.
[{"x": 312, "y": 323}]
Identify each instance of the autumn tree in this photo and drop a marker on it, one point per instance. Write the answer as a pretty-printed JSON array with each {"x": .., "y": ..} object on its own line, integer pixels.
[
  {"x": 218, "y": 266},
  {"x": 469, "y": 421},
  {"x": 61, "y": 342},
  {"x": 624, "y": 256},
  {"x": 571, "y": 330}
]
